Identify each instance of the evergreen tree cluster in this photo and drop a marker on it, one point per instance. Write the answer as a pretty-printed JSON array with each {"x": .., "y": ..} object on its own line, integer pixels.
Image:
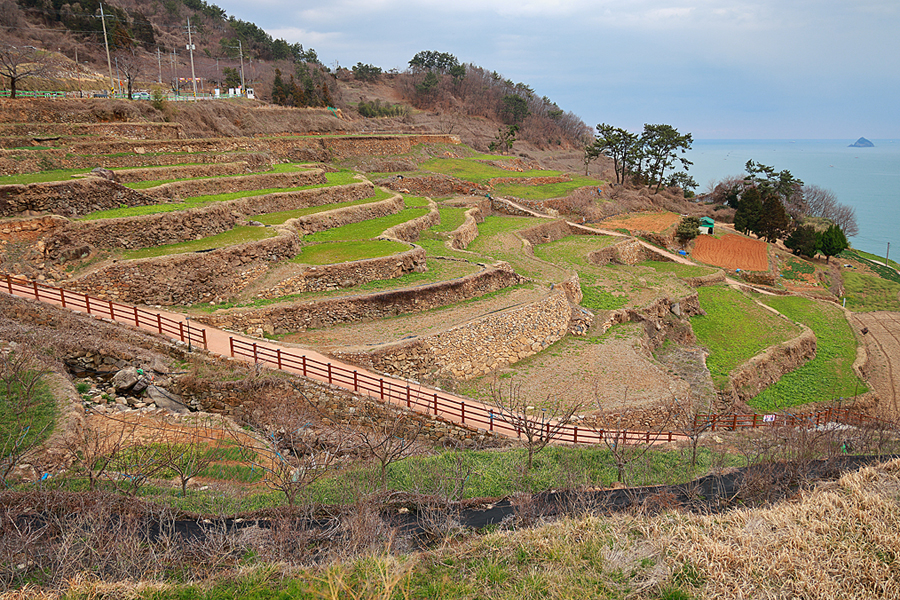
[
  {"x": 645, "y": 159},
  {"x": 310, "y": 88},
  {"x": 807, "y": 241}
]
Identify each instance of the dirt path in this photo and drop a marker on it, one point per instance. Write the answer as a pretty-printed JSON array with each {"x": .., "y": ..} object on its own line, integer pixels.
[{"x": 883, "y": 344}]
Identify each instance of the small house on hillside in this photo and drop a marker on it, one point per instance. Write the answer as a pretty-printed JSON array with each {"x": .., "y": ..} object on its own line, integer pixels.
[{"x": 706, "y": 225}]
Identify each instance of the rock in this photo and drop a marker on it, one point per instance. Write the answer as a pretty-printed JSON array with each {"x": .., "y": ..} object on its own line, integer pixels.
[
  {"x": 104, "y": 173},
  {"x": 862, "y": 143},
  {"x": 125, "y": 379},
  {"x": 676, "y": 309},
  {"x": 165, "y": 399}
]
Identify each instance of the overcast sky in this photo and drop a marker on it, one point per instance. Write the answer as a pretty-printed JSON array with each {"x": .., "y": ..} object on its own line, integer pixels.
[{"x": 782, "y": 69}]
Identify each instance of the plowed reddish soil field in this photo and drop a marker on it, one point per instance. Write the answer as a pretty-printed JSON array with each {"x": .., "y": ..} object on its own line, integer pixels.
[
  {"x": 883, "y": 344},
  {"x": 732, "y": 252},
  {"x": 655, "y": 222}
]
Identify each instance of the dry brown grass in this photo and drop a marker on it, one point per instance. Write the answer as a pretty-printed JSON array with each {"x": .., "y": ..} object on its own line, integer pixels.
[{"x": 837, "y": 541}]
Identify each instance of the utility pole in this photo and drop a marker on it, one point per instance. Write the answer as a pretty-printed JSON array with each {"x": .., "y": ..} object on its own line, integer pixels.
[
  {"x": 191, "y": 48},
  {"x": 175, "y": 71},
  {"x": 106, "y": 42},
  {"x": 241, "y": 51},
  {"x": 159, "y": 64}
]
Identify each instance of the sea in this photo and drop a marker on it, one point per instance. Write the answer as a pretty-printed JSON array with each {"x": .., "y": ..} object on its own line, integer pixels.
[{"x": 868, "y": 179}]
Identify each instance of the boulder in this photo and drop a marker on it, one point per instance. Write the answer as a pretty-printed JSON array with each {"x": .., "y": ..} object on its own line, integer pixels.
[
  {"x": 104, "y": 173},
  {"x": 165, "y": 399},
  {"x": 125, "y": 379}
]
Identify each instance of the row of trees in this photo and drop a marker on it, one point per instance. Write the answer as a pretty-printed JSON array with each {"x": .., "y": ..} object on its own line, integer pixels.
[
  {"x": 646, "y": 158},
  {"x": 310, "y": 88},
  {"x": 773, "y": 204}
]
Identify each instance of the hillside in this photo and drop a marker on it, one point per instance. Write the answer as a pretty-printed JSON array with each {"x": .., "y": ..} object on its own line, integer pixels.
[{"x": 252, "y": 350}]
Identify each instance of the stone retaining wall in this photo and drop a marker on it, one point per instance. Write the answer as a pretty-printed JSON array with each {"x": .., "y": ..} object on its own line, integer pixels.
[
  {"x": 349, "y": 274},
  {"x": 628, "y": 252},
  {"x": 759, "y": 277},
  {"x": 242, "y": 183},
  {"x": 465, "y": 234},
  {"x": 339, "y": 217},
  {"x": 147, "y": 231},
  {"x": 182, "y": 172},
  {"x": 551, "y": 231},
  {"x": 27, "y": 161},
  {"x": 475, "y": 348},
  {"x": 761, "y": 371},
  {"x": 68, "y": 198},
  {"x": 653, "y": 314},
  {"x": 323, "y": 313},
  {"x": 711, "y": 279},
  {"x": 409, "y": 231},
  {"x": 295, "y": 149},
  {"x": 14, "y": 230},
  {"x": 347, "y": 407},
  {"x": 188, "y": 278},
  {"x": 132, "y": 131},
  {"x": 529, "y": 180}
]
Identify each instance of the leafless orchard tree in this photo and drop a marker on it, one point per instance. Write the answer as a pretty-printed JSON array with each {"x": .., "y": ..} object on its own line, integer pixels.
[
  {"x": 135, "y": 464},
  {"x": 295, "y": 452},
  {"x": 130, "y": 67},
  {"x": 19, "y": 62},
  {"x": 92, "y": 447},
  {"x": 390, "y": 440},
  {"x": 186, "y": 452},
  {"x": 513, "y": 407},
  {"x": 823, "y": 203}
]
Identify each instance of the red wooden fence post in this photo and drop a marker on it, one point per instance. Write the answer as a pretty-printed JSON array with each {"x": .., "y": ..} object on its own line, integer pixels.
[
  {"x": 381, "y": 385},
  {"x": 462, "y": 411},
  {"x": 355, "y": 382},
  {"x": 62, "y": 297},
  {"x": 37, "y": 292},
  {"x": 159, "y": 323},
  {"x": 278, "y": 356},
  {"x": 435, "y": 403},
  {"x": 329, "y": 372},
  {"x": 231, "y": 346},
  {"x": 575, "y": 436},
  {"x": 87, "y": 305},
  {"x": 112, "y": 312},
  {"x": 181, "y": 330},
  {"x": 255, "y": 355},
  {"x": 9, "y": 284},
  {"x": 137, "y": 320},
  {"x": 408, "y": 397},
  {"x": 304, "y": 365}
]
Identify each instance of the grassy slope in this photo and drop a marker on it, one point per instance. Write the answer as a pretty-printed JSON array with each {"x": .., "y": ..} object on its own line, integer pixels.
[
  {"x": 826, "y": 377},
  {"x": 735, "y": 329}
]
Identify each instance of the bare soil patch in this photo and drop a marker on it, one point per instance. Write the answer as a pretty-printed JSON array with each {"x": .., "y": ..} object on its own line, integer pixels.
[
  {"x": 883, "y": 344},
  {"x": 653, "y": 222},
  {"x": 732, "y": 252},
  {"x": 613, "y": 373}
]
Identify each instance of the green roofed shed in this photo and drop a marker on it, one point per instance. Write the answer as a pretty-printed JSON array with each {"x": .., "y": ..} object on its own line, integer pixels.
[{"x": 707, "y": 225}]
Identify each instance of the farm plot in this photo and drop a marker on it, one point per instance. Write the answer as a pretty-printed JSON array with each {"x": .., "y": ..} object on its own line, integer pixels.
[
  {"x": 598, "y": 372},
  {"x": 732, "y": 252},
  {"x": 883, "y": 344},
  {"x": 653, "y": 222}
]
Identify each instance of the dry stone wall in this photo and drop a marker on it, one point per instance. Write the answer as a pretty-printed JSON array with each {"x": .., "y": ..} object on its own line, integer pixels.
[
  {"x": 338, "y": 217},
  {"x": 551, "y": 231},
  {"x": 761, "y": 371},
  {"x": 188, "y": 278},
  {"x": 27, "y": 161},
  {"x": 147, "y": 231},
  {"x": 711, "y": 279},
  {"x": 349, "y": 274},
  {"x": 224, "y": 185},
  {"x": 323, "y": 313},
  {"x": 409, "y": 231},
  {"x": 182, "y": 172},
  {"x": 132, "y": 131},
  {"x": 654, "y": 314},
  {"x": 628, "y": 252},
  {"x": 465, "y": 234},
  {"x": 475, "y": 348},
  {"x": 68, "y": 198}
]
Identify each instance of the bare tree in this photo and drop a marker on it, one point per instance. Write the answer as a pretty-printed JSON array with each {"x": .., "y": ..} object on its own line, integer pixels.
[
  {"x": 130, "y": 67},
  {"x": 823, "y": 203},
  {"x": 390, "y": 440},
  {"x": 625, "y": 446},
  {"x": 295, "y": 452},
  {"x": 19, "y": 62},
  {"x": 186, "y": 453},
  {"x": 513, "y": 407},
  {"x": 93, "y": 447},
  {"x": 137, "y": 463}
]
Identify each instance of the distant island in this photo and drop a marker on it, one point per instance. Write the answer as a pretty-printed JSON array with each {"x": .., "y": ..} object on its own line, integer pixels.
[{"x": 862, "y": 143}]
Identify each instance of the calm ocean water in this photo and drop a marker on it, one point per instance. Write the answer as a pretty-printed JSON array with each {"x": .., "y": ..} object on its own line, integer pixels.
[{"x": 867, "y": 179}]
